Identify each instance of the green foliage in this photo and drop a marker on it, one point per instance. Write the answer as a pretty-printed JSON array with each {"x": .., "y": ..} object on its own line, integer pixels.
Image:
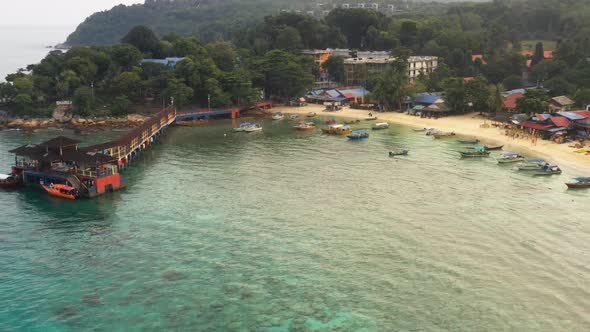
[
  {"x": 145, "y": 40},
  {"x": 512, "y": 82},
  {"x": 23, "y": 102},
  {"x": 582, "y": 97},
  {"x": 534, "y": 101},
  {"x": 335, "y": 68},
  {"x": 84, "y": 101},
  {"x": 177, "y": 91},
  {"x": 390, "y": 87},
  {"x": 121, "y": 105},
  {"x": 282, "y": 74}
]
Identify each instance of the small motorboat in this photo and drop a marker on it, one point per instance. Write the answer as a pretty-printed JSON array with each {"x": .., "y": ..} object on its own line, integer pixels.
[
  {"x": 293, "y": 117},
  {"x": 475, "y": 141},
  {"x": 352, "y": 121},
  {"x": 493, "y": 148},
  {"x": 358, "y": 134},
  {"x": 331, "y": 121},
  {"x": 311, "y": 115},
  {"x": 533, "y": 165},
  {"x": 476, "y": 153},
  {"x": 398, "y": 153},
  {"x": 61, "y": 190},
  {"x": 381, "y": 126},
  {"x": 442, "y": 134},
  {"x": 372, "y": 118},
  {"x": 8, "y": 181},
  {"x": 581, "y": 182},
  {"x": 423, "y": 129},
  {"x": 252, "y": 128},
  {"x": 548, "y": 170},
  {"x": 278, "y": 116},
  {"x": 305, "y": 126},
  {"x": 510, "y": 157},
  {"x": 242, "y": 126}
]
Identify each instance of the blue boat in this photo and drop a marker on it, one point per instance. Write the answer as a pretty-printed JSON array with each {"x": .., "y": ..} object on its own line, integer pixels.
[
  {"x": 398, "y": 153},
  {"x": 358, "y": 134}
]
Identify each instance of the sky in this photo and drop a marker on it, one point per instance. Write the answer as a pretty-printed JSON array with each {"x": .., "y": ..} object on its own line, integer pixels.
[{"x": 53, "y": 12}]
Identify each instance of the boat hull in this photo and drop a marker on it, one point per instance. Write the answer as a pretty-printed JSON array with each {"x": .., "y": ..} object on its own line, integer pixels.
[
  {"x": 578, "y": 185},
  {"x": 507, "y": 161},
  {"x": 8, "y": 184},
  {"x": 55, "y": 192}
]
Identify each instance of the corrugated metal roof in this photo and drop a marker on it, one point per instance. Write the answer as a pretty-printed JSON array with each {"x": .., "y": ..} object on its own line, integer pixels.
[
  {"x": 333, "y": 93},
  {"x": 571, "y": 115},
  {"x": 585, "y": 114},
  {"x": 427, "y": 99},
  {"x": 561, "y": 121},
  {"x": 535, "y": 125}
]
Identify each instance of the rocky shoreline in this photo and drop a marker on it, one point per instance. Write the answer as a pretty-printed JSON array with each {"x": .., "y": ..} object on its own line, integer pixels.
[{"x": 76, "y": 123}]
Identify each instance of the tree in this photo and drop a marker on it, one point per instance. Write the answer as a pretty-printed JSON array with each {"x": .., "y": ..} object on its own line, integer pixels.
[
  {"x": 478, "y": 94},
  {"x": 121, "y": 105},
  {"x": 84, "y": 100},
  {"x": 181, "y": 93},
  {"x": 23, "y": 102},
  {"x": 289, "y": 39},
  {"x": 534, "y": 101},
  {"x": 354, "y": 24},
  {"x": 335, "y": 67},
  {"x": 455, "y": 94},
  {"x": 512, "y": 82},
  {"x": 282, "y": 74},
  {"x": 391, "y": 86},
  {"x": 582, "y": 97},
  {"x": 223, "y": 54},
  {"x": 145, "y": 40},
  {"x": 127, "y": 83},
  {"x": 126, "y": 56},
  {"x": 496, "y": 101},
  {"x": 538, "y": 55},
  {"x": 408, "y": 33}
]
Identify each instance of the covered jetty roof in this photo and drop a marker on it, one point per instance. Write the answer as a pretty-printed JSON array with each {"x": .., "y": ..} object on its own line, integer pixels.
[{"x": 60, "y": 142}]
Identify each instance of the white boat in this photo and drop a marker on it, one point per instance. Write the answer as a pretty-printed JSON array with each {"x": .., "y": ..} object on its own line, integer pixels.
[
  {"x": 381, "y": 125},
  {"x": 254, "y": 127},
  {"x": 278, "y": 116},
  {"x": 533, "y": 165},
  {"x": 243, "y": 126},
  {"x": 510, "y": 157}
]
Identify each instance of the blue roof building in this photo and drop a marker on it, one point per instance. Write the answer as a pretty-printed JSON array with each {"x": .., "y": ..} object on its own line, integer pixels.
[{"x": 170, "y": 62}]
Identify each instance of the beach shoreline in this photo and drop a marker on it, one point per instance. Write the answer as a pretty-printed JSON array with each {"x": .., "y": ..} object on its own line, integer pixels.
[{"x": 468, "y": 125}]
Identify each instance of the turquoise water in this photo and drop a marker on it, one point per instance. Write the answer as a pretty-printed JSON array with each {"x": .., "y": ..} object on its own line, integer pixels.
[{"x": 290, "y": 231}]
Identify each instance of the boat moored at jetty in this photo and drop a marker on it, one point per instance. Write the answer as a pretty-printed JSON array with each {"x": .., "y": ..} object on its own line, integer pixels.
[
  {"x": 358, "y": 134},
  {"x": 337, "y": 129},
  {"x": 581, "y": 182},
  {"x": 381, "y": 126},
  {"x": 510, "y": 157},
  {"x": 8, "y": 181},
  {"x": 278, "y": 116},
  {"x": 61, "y": 190},
  {"x": 305, "y": 126}
]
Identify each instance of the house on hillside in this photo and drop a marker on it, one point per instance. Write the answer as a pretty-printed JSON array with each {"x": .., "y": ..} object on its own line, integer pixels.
[
  {"x": 170, "y": 62},
  {"x": 561, "y": 104},
  {"x": 510, "y": 101}
]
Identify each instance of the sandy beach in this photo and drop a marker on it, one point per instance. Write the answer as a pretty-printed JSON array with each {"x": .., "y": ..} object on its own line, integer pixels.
[{"x": 470, "y": 125}]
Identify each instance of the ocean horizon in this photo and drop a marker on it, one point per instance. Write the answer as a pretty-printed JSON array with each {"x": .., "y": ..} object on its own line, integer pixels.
[{"x": 23, "y": 45}]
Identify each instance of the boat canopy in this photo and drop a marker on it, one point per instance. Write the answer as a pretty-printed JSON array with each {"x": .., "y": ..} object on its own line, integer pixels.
[
  {"x": 509, "y": 154},
  {"x": 4, "y": 176},
  {"x": 68, "y": 188},
  {"x": 535, "y": 161},
  {"x": 245, "y": 124},
  {"x": 334, "y": 125},
  {"x": 479, "y": 148},
  {"x": 278, "y": 113},
  {"x": 294, "y": 116},
  {"x": 360, "y": 131},
  {"x": 582, "y": 179}
]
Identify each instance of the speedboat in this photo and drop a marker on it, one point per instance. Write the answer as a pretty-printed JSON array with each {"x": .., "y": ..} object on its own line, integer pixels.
[
  {"x": 61, "y": 190},
  {"x": 548, "y": 170},
  {"x": 510, "y": 157},
  {"x": 581, "y": 182},
  {"x": 8, "y": 181},
  {"x": 278, "y": 116},
  {"x": 252, "y": 128},
  {"x": 494, "y": 147},
  {"x": 372, "y": 118},
  {"x": 293, "y": 117},
  {"x": 243, "y": 126},
  {"x": 423, "y": 129},
  {"x": 358, "y": 134},
  {"x": 305, "y": 126},
  {"x": 442, "y": 134},
  {"x": 380, "y": 126},
  {"x": 398, "y": 153},
  {"x": 476, "y": 141}
]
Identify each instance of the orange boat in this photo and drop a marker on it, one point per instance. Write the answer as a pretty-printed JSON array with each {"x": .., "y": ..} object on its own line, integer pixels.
[
  {"x": 61, "y": 190},
  {"x": 305, "y": 126}
]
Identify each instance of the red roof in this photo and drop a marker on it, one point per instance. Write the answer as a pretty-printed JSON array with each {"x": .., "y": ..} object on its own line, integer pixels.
[
  {"x": 467, "y": 79},
  {"x": 548, "y": 54},
  {"x": 478, "y": 56},
  {"x": 560, "y": 121},
  {"x": 350, "y": 95},
  {"x": 585, "y": 114},
  {"x": 536, "y": 125},
  {"x": 510, "y": 101}
]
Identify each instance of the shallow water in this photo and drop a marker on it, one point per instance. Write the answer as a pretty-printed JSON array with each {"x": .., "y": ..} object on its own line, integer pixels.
[{"x": 290, "y": 231}]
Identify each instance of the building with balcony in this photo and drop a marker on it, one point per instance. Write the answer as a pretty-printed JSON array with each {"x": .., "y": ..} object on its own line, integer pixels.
[{"x": 357, "y": 69}]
